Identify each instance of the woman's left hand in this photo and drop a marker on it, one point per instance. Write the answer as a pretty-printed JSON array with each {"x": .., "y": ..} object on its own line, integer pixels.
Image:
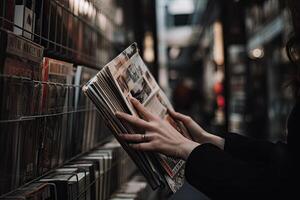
[{"x": 159, "y": 135}]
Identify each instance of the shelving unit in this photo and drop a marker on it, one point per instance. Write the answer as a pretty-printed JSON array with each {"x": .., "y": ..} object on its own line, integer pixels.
[
  {"x": 259, "y": 102},
  {"x": 48, "y": 50}
]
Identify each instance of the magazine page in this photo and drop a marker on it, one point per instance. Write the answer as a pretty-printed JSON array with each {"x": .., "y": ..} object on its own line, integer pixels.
[
  {"x": 95, "y": 91},
  {"x": 134, "y": 80},
  {"x": 124, "y": 77}
]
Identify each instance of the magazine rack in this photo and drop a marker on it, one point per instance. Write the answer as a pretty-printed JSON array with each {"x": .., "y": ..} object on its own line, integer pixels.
[
  {"x": 27, "y": 133},
  {"x": 46, "y": 125},
  {"x": 59, "y": 26}
]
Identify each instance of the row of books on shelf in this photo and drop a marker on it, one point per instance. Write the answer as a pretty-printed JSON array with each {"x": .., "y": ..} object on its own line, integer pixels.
[
  {"x": 95, "y": 175},
  {"x": 32, "y": 147},
  {"x": 64, "y": 28},
  {"x": 45, "y": 119},
  {"x": 25, "y": 69}
]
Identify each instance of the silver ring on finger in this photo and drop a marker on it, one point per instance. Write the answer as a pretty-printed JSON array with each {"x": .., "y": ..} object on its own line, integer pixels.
[{"x": 144, "y": 137}]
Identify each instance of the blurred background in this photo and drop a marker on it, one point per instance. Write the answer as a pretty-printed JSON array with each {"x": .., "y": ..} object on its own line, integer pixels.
[{"x": 223, "y": 62}]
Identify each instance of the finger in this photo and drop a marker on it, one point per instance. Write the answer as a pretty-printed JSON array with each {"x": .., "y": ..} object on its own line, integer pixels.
[
  {"x": 135, "y": 137},
  {"x": 143, "y": 146},
  {"x": 184, "y": 118},
  {"x": 141, "y": 109},
  {"x": 134, "y": 120},
  {"x": 188, "y": 122}
]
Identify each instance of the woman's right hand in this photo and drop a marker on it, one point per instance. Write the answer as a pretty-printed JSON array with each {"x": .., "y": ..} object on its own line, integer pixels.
[{"x": 198, "y": 134}]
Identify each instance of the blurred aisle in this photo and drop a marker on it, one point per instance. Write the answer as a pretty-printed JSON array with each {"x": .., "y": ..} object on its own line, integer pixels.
[{"x": 224, "y": 63}]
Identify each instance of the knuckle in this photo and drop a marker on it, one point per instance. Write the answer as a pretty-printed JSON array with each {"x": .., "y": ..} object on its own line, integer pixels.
[
  {"x": 156, "y": 117},
  {"x": 153, "y": 145},
  {"x": 135, "y": 119},
  {"x": 155, "y": 136},
  {"x": 176, "y": 113},
  {"x": 153, "y": 124},
  {"x": 156, "y": 145},
  {"x": 188, "y": 119}
]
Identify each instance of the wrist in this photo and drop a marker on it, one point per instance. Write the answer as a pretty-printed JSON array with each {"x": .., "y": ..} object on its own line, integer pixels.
[
  {"x": 204, "y": 137},
  {"x": 186, "y": 147},
  {"x": 216, "y": 140}
]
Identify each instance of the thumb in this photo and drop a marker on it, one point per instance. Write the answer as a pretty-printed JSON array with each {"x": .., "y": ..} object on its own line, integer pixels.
[{"x": 186, "y": 120}]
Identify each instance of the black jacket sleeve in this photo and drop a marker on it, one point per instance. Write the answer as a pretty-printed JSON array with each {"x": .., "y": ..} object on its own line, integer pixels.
[
  {"x": 249, "y": 149},
  {"x": 220, "y": 175}
]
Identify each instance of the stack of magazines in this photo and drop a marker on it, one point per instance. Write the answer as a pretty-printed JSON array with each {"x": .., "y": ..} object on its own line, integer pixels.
[
  {"x": 110, "y": 90},
  {"x": 96, "y": 175}
]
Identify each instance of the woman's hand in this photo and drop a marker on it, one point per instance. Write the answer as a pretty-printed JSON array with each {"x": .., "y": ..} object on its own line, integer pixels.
[
  {"x": 198, "y": 134},
  {"x": 159, "y": 135}
]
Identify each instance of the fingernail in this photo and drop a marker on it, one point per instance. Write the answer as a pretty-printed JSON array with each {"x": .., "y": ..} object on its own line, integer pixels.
[
  {"x": 133, "y": 99},
  {"x": 118, "y": 114}
]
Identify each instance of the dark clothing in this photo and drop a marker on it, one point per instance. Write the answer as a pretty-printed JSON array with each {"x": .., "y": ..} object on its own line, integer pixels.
[{"x": 247, "y": 168}]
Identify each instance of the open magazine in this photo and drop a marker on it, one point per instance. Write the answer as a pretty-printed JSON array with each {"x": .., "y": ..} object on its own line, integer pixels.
[{"x": 110, "y": 90}]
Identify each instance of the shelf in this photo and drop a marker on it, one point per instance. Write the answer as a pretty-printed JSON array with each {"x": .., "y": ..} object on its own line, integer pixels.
[
  {"x": 48, "y": 50},
  {"x": 75, "y": 31}
]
